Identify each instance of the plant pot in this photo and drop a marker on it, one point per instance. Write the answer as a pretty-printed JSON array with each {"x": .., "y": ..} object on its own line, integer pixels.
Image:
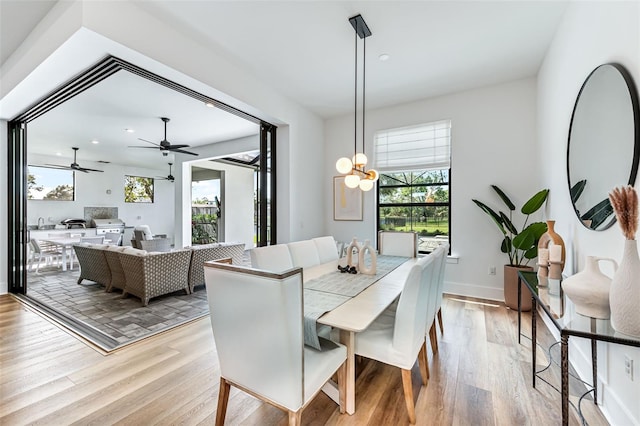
[{"x": 511, "y": 288}]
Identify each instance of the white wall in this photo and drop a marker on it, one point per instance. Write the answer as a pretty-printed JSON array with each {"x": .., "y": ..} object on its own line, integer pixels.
[
  {"x": 493, "y": 142},
  {"x": 591, "y": 33},
  {"x": 91, "y": 191},
  {"x": 4, "y": 257}
]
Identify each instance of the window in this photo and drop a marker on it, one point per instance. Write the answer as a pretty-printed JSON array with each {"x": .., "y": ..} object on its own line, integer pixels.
[
  {"x": 415, "y": 175},
  {"x": 44, "y": 183},
  {"x": 138, "y": 189}
]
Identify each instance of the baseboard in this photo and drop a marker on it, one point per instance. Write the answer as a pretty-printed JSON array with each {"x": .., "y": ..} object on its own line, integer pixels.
[{"x": 472, "y": 290}]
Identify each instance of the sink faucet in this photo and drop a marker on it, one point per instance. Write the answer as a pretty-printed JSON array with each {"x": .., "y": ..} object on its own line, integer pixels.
[{"x": 40, "y": 222}]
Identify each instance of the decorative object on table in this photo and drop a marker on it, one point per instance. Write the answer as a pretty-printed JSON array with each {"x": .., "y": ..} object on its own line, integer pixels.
[
  {"x": 366, "y": 248},
  {"x": 519, "y": 246},
  {"x": 356, "y": 176},
  {"x": 347, "y": 202},
  {"x": 589, "y": 289},
  {"x": 554, "y": 243},
  {"x": 543, "y": 263},
  {"x": 354, "y": 246},
  {"x": 348, "y": 269},
  {"x": 624, "y": 294}
]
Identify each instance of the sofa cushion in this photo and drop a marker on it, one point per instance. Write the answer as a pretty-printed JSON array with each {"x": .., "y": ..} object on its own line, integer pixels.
[
  {"x": 271, "y": 258},
  {"x": 134, "y": 251},
  {"x": 304, "y": 253},
  {"x": 327, "y": 249}
]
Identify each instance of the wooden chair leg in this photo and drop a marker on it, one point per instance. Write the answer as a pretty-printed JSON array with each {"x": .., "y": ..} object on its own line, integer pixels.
[
  {"x": 223, "y": 400},
  {"x": 433, "y": 336},
  {"x": 408, "y": 395},
  {"x": 440, "y": 320},
  {"x": 342, "y": 387},
  {"x": 294, "y": 418},
  {"x": 423, "y": 363}
]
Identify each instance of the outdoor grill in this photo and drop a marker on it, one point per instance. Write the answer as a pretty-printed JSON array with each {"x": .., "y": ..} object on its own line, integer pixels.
[{"x": 104, "y": 226}]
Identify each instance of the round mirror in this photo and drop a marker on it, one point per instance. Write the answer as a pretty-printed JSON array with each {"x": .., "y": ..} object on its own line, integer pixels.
[{"x": 604, "y": 136}]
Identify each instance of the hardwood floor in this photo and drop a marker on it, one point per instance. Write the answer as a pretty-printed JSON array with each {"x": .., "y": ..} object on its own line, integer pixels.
[{"x": 480, "y": 376}]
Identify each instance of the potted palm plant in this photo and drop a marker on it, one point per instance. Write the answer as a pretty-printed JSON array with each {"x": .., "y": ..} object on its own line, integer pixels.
[{"x": 519, "y": 244}]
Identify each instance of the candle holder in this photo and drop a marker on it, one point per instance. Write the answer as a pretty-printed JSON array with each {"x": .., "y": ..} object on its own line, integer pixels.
[{"x": 555, "y": 269}]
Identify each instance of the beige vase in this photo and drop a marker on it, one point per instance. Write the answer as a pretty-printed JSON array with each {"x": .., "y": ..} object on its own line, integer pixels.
[
  {"x": 511, "y": 288},
  {"x": 589, "y": 289}
]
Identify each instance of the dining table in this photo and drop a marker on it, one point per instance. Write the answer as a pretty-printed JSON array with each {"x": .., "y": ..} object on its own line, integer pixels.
[
  {"x": 66, "y": 245},
  {"x": 351, "y": 308}
]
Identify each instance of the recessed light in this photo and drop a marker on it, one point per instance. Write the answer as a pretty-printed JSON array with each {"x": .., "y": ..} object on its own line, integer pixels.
[
  {"x": 384, "y": 57},
  {"x": 58, "y": 153},
  {"x": 129, "y": 130},
  {"x": 209, "y": 104},
  {"x": 95, "y": 142}
]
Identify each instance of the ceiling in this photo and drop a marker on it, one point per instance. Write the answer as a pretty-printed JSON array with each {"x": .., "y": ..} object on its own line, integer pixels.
[{"x": 305, "y": 50}]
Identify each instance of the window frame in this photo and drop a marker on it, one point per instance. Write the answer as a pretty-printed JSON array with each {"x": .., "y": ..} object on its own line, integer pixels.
[{"x": 415, "y": 204}]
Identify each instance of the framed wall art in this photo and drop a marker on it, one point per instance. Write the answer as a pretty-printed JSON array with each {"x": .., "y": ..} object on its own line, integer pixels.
[{"x": 347, "y": 202}]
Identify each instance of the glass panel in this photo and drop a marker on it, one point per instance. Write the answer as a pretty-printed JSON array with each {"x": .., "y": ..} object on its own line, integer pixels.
[
  {"x": 45, "y": 183},
  {"x": 430, "y": 194},
  {"x": 138, "y": 189},
  {"x": 395, "y": 195}
]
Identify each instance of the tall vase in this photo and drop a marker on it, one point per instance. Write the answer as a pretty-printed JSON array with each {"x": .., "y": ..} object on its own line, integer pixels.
[
  {"x": 362, "y": 264},
  {"x": 624, "y": 295},
  {"x": 589, "y": 289},
  {"x": 554, "y": 242},
  {"x": 353, "y": 246}
]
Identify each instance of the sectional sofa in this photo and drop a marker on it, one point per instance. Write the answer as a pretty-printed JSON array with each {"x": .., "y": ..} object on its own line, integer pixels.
[{"x": 150, "y": 274}]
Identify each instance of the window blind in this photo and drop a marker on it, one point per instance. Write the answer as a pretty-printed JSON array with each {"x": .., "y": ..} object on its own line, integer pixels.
[{"x": 422, "y": 147}]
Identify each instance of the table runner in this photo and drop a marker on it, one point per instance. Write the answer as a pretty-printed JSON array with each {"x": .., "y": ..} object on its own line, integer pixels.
[{"x": 331, "y": 290}]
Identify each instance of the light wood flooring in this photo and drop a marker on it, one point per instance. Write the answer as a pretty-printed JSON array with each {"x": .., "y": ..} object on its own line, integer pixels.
[{"x": 479, "y": 376}]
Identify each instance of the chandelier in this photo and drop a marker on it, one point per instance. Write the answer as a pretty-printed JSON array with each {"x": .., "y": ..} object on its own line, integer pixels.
[{"x": 354, "y": 168}]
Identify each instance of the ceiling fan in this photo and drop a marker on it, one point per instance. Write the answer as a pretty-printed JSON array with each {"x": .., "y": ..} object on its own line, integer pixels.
[
  {"x": 170, "y": 178},
  {"x": 73, "y": 166},
  {"x": 164, "y": 145}
]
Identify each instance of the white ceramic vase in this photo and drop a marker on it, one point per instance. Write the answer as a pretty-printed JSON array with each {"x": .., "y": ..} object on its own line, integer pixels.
[
  {"x": 624, "y": 296},
  {"x": 354, "y": 246},
  {"x": 589, "y": 289},
  {"x": 362, "y": 264}
]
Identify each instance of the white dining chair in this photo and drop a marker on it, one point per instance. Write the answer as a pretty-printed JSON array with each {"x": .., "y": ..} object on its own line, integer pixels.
[
  {"x": 327, "y": 248},
  {"x": 304, "y": 253},
  {"x": 395, "y": 243},
  {"x": 398, "y": 339},
  {"x": 444, "y": 251},
  {"x": 271, "y": 258},
  {"x": 257, "y": 323},
  {"x": 43, "y": 250}
]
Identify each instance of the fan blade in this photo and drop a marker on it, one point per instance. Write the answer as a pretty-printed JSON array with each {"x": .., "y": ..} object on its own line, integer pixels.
[
  {"x": 138, "y": 146},
  {"x": 82, "y": 169},
  {"x": 181, "y": 151},
  {"x": 144, "y": 140},
  {"x": 174, "y": 147},
  {"x": 56, "y": 166}
]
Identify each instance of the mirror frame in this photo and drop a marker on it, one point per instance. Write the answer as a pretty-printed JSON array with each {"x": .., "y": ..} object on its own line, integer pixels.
[{"x": 633, "y": 96}]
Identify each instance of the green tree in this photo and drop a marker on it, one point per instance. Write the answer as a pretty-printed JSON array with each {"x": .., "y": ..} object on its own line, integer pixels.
[
  {"x": 60, "y": 192},
  {"x": 32, "y": 186}
]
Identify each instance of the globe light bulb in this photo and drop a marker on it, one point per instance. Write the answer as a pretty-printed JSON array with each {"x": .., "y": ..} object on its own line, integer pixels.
[
  {"x": 360, "y": 160},
  {"x": 344, "y": 165},
  {"x": 366, "y": 184},
  {"x": 352, "y": 181}
]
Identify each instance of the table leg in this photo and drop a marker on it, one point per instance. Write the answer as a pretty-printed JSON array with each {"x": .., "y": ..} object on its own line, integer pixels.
[
  {"x": 534, "y": 346},
  {"x": 519, "y": 307},
  {"x": 564, "y": 354},
  {"x": 348, "y": 338},
  {"x": 594, "y": 369},
  {"x": 64, "y": 258}
]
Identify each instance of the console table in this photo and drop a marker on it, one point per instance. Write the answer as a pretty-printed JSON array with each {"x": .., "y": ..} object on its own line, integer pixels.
[{"x": 547, "y": 293}]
